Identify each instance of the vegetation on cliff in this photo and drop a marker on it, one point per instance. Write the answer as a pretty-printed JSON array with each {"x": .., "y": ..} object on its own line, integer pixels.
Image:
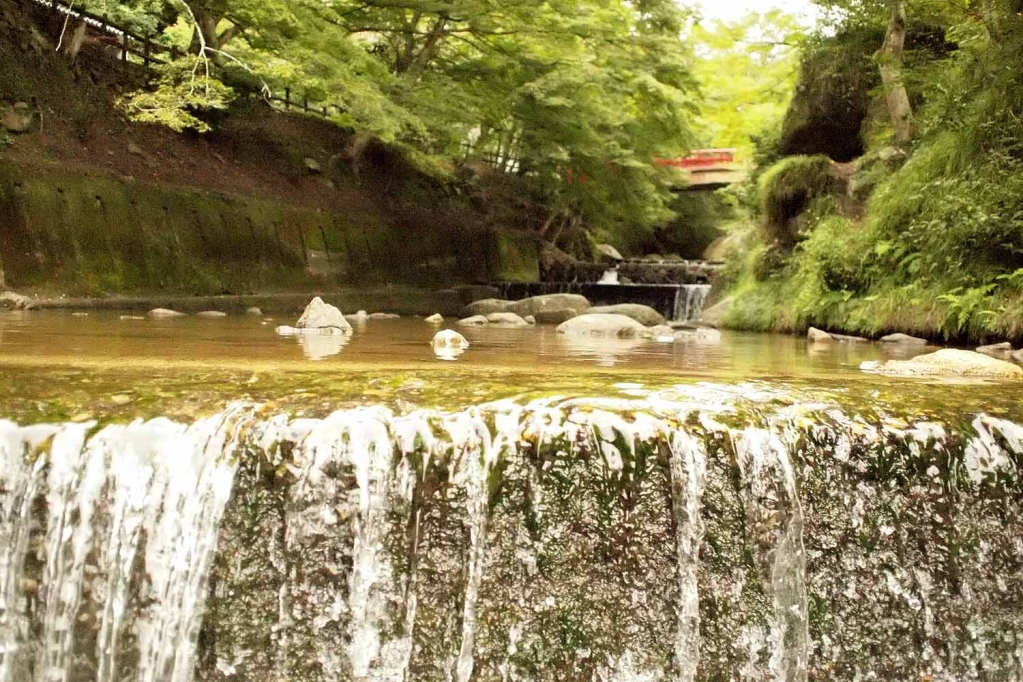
[{"x": 924, "y": 232}]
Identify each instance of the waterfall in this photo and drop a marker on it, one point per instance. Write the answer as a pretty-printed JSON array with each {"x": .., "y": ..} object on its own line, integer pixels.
[
  {"x": 689, "y": 302},
  {"x": 698, "y": 532}
]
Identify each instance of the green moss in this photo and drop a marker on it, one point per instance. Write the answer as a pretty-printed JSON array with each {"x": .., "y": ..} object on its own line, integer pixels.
[{"x": 786, "y": 190}]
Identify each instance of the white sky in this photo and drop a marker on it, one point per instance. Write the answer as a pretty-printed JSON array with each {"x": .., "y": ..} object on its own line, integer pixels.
[{"x": 733, "y": 9}]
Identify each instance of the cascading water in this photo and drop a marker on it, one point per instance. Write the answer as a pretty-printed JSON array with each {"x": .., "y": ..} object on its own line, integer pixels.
[
  {"x": 689, "y": 302},
  {"x": 689, "y": 534}
]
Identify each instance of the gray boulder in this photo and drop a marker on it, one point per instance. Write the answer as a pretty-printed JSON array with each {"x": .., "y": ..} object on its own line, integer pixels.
[
  {"x": 323, "y": 316},
  {"x": 539, "y": 304},
  {"x": 486, "y": 307},
  {"x": 903, "y": 340},
  {"x": 506, "y": 320},
  {"x": 645, "y": 315},
  {"x": 474, "y": 321},
  {"x": 947, "y": 362},
  {"x": 558, "y": 316},
  {"x": 613, "y": 326}
]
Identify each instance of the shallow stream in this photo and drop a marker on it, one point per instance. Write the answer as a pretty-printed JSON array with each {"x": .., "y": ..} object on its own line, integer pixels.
[{"x": 200, "y": 499}]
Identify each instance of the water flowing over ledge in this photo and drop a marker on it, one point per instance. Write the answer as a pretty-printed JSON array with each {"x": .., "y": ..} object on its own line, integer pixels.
[{"x": 700, "y": 533}]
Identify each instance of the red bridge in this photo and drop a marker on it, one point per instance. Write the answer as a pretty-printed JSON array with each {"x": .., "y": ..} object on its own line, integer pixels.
[{"x": 708, "y": 168}]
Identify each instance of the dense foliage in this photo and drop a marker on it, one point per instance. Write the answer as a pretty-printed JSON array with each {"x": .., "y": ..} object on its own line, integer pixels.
[
  {"x": 926, "y": 236},
  {"x": 575, "y": 97}
]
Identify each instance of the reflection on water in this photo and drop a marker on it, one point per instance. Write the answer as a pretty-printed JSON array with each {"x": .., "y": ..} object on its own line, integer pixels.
[
  {"x": 50, "y": 337},
  {"x": 322, "y": 346}
]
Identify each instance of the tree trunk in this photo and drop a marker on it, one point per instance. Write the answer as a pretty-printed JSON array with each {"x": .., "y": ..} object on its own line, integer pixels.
[
  {"x": 890, "y": 61},
  {"x": 206, "y": 28},
  {"x": 991, "y": 21}
]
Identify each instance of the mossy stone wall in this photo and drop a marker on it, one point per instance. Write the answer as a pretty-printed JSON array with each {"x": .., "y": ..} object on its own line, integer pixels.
[{"x": 81, "y": 234}]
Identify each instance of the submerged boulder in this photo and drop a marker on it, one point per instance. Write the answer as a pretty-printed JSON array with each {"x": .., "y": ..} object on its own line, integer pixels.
[
  {"x": 323, "y": 316},
  {"x": 506, "y": 320},
  {"x": 644, "y": 314},
  {"x": 384, "y": 316},
  {"x": 947, "y": 362},
  {"x": 474, "y": 321},
  {"x": 435, "y": 319},
  {"x": 211, "y": 313},
  {"x": 618, "y": 326},
  {"x": 254, "y": 311}
]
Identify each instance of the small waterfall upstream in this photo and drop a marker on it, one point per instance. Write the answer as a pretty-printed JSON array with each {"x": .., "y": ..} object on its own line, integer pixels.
[
  {"x": 689, "y": 302},
  {"x": 704, "y": 532}
]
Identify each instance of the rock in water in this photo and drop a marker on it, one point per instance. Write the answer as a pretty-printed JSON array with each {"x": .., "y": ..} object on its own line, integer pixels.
[
  {"x": 255, "y": 312},
  {"x": 815, "y": 335},
  {"x": 320, "y": 315},
  {"x": 703, "y": 335},
  {"x": 947, "y": 362},
  {"x": 12, "y": 301},
  {"x": 211, "y": 313},
  {"x": 384, "y": 316},
  {"x": 486, "y": 307},
  {"x": 904, "y": 340},
  {"x": 164, "y": 312},
  {"x": 645, "y": 315},
  {"x": 538, "y": 304},
  {"x": 474, "y": 321},
  {"x": 558, "y": 316},
  {"x": 506, "y": 320},
  {"x": 717, "y": 313},
  {"x": 604, "y": 326},
  {"x": 449, "y": 338},
  {"x": 435, "y": 319},
  {"x": 996, "y": 350},
  {"x": 530, "y": 319}
]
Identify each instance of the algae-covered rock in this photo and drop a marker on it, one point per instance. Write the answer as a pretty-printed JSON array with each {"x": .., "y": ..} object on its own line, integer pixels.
[
  {"x": 947, "y": 362},
  {"x": 558, "y": 316}
]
